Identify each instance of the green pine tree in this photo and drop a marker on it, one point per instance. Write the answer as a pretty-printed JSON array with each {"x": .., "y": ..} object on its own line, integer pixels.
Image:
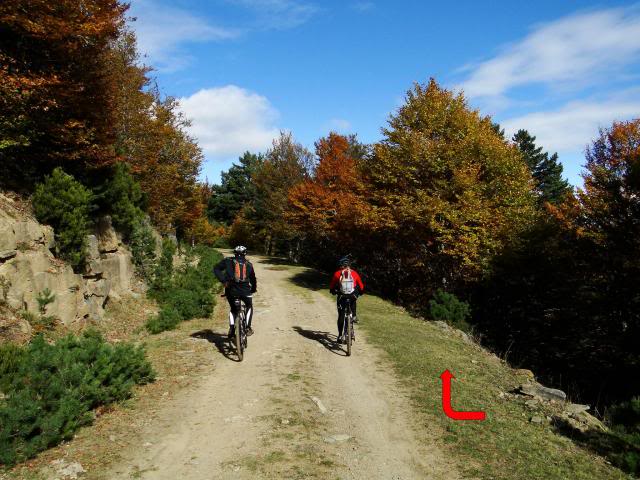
[
  {"x": 545, "y": 169},
  {"x": 64, "y": 203},
  {"x": 121, "y": 196},
  {"x": 235, "y": 190},
  {"x": 499, "y": 130}
]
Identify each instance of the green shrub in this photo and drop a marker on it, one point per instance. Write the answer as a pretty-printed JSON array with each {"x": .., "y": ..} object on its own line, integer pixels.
[
  {"x": 143, "y": 249},
  {"x": 625, "y": 426},
  {"x": 447, "y": 308},
  {"x": 167, "y": 319},
  {"x": 44, "y": 323},
  {"x": 190, "y": 292},
  {"x": 121, "y": 196},
  {"x": 51, "y": 388},
  {"x": 44, "y": 298},
  {"x": 222, "y": 242},
  {"x": 164, "y": 269},
  {"x": 64, "y": 203},
  {"x": 28, "y": 316},
  {"x": 185, "y": 302}
]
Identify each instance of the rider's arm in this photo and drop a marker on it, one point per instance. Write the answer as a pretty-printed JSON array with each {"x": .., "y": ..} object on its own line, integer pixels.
[
  {"x": 358, "y": 280},
  {"x": 252, "y": 279},
  {"x": 220, "y": 271}
]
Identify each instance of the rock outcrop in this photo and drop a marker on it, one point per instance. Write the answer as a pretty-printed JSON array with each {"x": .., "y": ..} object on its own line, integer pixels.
[
  {"x": 28, "y": 266},
  {"x": 534, "y": 389}
]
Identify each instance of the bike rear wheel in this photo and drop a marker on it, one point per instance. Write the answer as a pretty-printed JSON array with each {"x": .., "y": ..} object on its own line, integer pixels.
[
  {"x": 238, "y": 339},
  {"x": 245, "y": 335}
]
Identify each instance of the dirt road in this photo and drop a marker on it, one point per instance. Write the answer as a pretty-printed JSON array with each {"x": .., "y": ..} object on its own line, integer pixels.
[{"x": 296, "y": 407}]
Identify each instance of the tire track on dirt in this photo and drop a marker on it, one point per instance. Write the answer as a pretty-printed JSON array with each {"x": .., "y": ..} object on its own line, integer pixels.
[{"x": 258, "y": 419}]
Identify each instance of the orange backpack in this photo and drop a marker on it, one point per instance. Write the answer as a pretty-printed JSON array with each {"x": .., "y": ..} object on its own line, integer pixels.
[{"x": 239, "y": 271}]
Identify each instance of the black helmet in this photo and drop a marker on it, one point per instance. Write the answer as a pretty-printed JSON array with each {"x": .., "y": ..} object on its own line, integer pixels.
[
  {"x": 344, "y": 262},
  {"x": 240, "y": 251}
]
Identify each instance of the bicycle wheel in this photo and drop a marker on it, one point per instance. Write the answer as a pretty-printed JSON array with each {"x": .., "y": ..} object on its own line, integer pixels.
[
  {"x": 245, "y": 336},
  {"x": 349, "y": 332},
  {"x": 238, "y": 340}
]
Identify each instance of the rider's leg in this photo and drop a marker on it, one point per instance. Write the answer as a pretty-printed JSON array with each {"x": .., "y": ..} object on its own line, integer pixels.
[
  {"x": 353, "y": 309},
  {"x": 340, "y": 316},
  {"x": 248, "y": 302},
  {"x": 232, "y": 315},
  {"x": 352, "y": 302}
]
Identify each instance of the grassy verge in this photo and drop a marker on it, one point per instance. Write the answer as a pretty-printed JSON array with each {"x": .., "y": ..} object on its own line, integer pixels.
[{"x": 504, "y": 446}]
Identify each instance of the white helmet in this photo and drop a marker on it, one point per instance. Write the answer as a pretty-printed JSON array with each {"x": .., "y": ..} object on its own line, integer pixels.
[{"x": 240, "y": 251}]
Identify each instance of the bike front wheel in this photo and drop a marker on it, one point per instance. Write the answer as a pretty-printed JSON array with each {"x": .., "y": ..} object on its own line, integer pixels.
[
  {"x": 349, "y": 334},
  {"x": 238, "y": 339}
]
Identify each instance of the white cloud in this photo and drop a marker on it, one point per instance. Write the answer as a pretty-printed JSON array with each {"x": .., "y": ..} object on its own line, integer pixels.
[
  {"x": 163, "y": 31},
  {"x": 279, "y": 14},
  {"x": 363, "y": 7},
  {"x": 229, "y": 120},
  {"x": 575, "y": 50},
  {"x": 573, "y": 126},
  {"x": 339, "y": 125}
]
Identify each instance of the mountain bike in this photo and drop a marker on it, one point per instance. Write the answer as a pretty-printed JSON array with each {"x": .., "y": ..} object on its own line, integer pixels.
[
  {"x": 347, "y": 328},
  {"x": 240, "y": 327}
]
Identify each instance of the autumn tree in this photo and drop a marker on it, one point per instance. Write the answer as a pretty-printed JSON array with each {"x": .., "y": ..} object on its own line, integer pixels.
[
  {"x": 151, "y": 136},
  {"x": 326, "y": 209},
  {"x": 447, "y": 193},
  {"x": 566, "y": 301},
  {"x": 546, "y": 170},
  {"x": 610, "y": 218},
  {"x": 285, "y": 165},
  {"x": 55, "y": 97}
]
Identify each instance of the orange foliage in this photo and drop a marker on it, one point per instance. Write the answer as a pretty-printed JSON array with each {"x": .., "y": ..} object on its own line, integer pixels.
[
  {"x": 609, "y": 199},
  {"x": 55, "y": 96},
  {"x": 329, "y": 204},
  {"x": 202, "y": 232}
]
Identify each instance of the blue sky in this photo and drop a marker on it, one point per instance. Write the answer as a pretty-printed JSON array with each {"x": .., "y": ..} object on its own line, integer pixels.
[{"x": 246, "y": 69}]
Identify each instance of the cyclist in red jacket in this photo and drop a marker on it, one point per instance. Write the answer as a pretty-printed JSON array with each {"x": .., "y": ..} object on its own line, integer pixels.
[{"x": 347, "y": 284}]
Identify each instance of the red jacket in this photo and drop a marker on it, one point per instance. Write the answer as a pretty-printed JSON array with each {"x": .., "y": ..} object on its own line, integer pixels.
[{"x": 336, "y": 279}]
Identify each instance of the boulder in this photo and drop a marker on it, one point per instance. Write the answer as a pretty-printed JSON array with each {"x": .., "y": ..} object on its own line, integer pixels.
[
  {"x": 575, "y": 408},
  {"x": 442, "y": 325},
  {"x": 538, "y": 391},
  {"x": 7, "y": 255},
  {"x": 581, "y": 421}
]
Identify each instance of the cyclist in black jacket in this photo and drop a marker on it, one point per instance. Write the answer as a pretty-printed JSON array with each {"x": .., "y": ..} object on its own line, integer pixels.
[{"x": 239, "y": 279}]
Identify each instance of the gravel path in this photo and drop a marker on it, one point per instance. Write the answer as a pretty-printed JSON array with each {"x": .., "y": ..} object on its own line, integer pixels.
[{"x": 296, "y": 407}]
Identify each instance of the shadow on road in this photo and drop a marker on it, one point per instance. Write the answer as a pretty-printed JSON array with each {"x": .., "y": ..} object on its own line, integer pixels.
[
  {"x": 280, "y": 261},
  {"x": 311, "y": 279},
  {"x": 219, "y": 340},
  {"x": 326, "y": 339}
]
